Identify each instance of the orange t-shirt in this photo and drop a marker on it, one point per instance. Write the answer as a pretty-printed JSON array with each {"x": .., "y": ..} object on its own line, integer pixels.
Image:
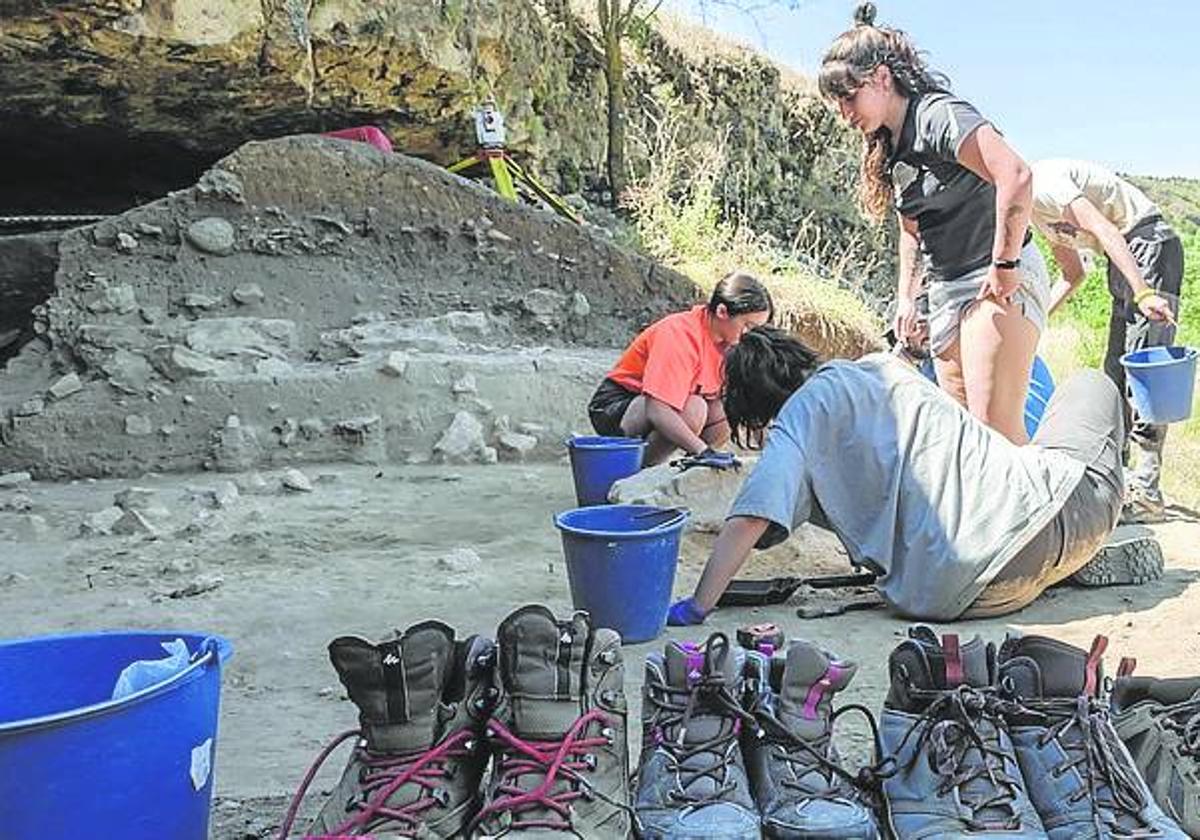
[{"x": 672, "y": 359}]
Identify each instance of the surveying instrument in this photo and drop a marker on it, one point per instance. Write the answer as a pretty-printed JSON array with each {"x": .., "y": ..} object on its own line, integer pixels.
[{"x": 489, "y": 131}]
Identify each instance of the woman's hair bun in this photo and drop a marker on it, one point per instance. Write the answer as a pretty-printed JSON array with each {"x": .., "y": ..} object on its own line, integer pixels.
[{"x": 864, "y": 14}]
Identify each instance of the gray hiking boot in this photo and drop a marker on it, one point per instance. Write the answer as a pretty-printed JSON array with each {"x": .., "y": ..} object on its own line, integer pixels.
[
  {"x": 797, "y": 779},
  {"x": 422, "y": 701},
  {"x": 1159, "y": 722},
  {"x": 1081, "y": 778},
  {"x": 955, "y": 773},
  {"x": 692, "y": 782},
  {"x": 1143, "y": 507},
  {"x": 561, "y": 761},
  {"x": 1130, "y": 555}
]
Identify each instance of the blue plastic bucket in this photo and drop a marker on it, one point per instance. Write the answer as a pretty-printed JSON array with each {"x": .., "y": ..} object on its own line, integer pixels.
[
  {"x": 1161, "y": 381},
  {"x": 1041, "y": 388},
  {"x": 75, "y": 763},
  {"x": 596, "y": 462},
  {"x": 621, "y": 563}
]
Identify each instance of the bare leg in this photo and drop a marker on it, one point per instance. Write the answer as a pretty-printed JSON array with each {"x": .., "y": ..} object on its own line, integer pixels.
[
  {"x": 949, "y": 373},
  {"x": 636, "y": 423},
  {"x": 997, "y": 345},
  {"x": 716, "y": 428}
]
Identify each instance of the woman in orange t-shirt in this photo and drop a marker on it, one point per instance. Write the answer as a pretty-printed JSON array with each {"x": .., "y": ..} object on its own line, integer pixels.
[{"x": 666, "y": 387}]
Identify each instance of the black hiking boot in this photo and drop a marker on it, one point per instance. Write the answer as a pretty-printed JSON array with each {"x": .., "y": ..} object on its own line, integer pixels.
[
  {"x": 419, "y": 757},
  {"x": 795, "y": 773},
  {"x": 561, "y": 761},
  {"x": 692, "y": 782},
  {"x": 1081, "y": 778},
  {"x": 1131, "y": 554},
  {"x": 955, "y": 773},
  {"x": 1159, "y": 722}
]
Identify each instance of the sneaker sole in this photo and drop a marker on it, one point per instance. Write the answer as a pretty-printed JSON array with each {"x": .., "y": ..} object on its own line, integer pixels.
[{"x": 1129, "y": 560}]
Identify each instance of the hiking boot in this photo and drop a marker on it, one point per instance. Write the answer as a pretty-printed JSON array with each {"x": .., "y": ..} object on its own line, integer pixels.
[
  {"x": 561, "y": 761},
  {"x": 797, "y": 780},
  {"x": 1159, "y": 722},
  {"x": 1131, "y": 554},
  {"x": 422, "y": 700},
  {"x": 1142, "y": 508},
  {"x": 955, "y": 773},
  {"x": 692, "y": 782},
  {"x": 1081, "y": 778}
]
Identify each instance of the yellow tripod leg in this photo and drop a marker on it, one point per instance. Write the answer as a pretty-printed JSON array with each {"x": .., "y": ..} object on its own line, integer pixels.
[
  {"x": 464, "y": 164},
  {"x": 559, "y": 206},
  {"x": 504, "y": 181}
]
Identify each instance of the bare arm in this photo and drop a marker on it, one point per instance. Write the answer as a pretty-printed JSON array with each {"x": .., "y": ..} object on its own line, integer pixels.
[
  {"x": 1072, "y": 275},
  {"x": 670, "y": 424},
  {"x": 986, "y": 154},
  {"x": 1085, "y": 215},
  {"x": 908, "y": 285},
  {"x": 738, "y": 535}
]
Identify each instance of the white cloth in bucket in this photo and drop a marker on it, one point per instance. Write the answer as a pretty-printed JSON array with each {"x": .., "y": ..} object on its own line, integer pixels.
[{"x": 147, "y": 672}]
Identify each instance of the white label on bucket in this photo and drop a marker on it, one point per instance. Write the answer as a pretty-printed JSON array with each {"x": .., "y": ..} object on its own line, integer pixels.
[{"x": 201, "y": 763}]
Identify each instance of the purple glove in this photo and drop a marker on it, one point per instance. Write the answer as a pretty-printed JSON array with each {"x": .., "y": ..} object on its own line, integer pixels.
[{"x": 684, "y": 613}]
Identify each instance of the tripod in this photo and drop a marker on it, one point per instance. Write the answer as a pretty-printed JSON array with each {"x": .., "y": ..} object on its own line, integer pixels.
[{"x": 489, "y": 130}]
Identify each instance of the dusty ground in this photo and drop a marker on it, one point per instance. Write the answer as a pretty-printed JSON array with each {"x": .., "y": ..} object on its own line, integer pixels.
[{"x": 366, "y": 551}]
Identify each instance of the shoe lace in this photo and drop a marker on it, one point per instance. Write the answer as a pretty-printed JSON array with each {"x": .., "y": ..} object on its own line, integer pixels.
[
  {"x": 1184, "y": 720},
  {"x": 974, "y": 765},
  {"x": 710, "y": 695},
  {"x": 569, "y": 758},
  {"x": 1113, "y": 787},
  {"x": 815, "y": 772},
  {"x": 382, "y": 775}
]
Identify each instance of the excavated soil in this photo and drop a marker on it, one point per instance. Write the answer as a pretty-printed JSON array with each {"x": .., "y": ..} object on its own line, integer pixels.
[{"x": 373, "y": 548}]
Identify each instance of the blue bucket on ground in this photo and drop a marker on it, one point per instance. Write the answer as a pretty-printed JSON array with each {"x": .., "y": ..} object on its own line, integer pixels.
[
  {"x": 1161, "y": 382},
  {"x": 621, "y": 563},
  {"x": 1041, "y": 388},
  {"x": 596, "y": 462},
  {"x": 74, "y": 762}
]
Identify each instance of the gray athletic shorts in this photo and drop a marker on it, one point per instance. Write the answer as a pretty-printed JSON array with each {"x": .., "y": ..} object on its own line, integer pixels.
[{"x": 950, "y": 299}]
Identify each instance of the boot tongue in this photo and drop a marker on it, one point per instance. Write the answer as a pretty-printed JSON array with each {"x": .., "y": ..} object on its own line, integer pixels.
[
  {"x": 1043, "y": 668},
  {"x": 933, "y": 665},
  {"x": 687, "y": 665},
  {"x": 397, "y": 684},
  {"x": 810, "y": 679},
  {"x": 542, "y": 665}
]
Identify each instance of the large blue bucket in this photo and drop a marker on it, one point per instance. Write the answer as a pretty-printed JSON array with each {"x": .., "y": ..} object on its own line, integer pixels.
[
  {"x": 74, "y": 763},
  {"x": 621, "y": 563},
  {"x": 596, "y": 462},
  {"x": 1161, "y": 381}
]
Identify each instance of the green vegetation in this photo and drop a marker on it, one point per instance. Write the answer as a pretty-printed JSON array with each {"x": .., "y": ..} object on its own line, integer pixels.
[{"x": 679, "y": 219}]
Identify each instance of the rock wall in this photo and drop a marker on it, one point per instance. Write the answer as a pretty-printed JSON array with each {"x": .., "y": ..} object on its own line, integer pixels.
[{"x": 199, "y": 78}]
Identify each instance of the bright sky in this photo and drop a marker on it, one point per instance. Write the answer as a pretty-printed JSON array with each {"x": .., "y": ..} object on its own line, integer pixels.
[{"x": 1113, "y": 81}]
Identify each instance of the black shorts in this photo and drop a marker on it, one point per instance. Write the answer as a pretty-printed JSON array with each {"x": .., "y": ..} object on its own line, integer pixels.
[{"x": 608, "y": 406}]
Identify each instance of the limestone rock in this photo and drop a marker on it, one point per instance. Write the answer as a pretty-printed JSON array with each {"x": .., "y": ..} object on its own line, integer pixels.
[
  {"x": 14, "y": 479},
  {"x": 138, "y": 425},
  {"x": 465, "y": 384},
  {"x": 65, "y": 386},
  {"x": 213, "y": 235},
  {"x": 248, "y": 293},
  {"x": 705, "y": 492},
  {"x": 296, "y": 482},
  {"x": 545, "y": 307},
  {"x": 515, "y": 444},
  {"x": 460, "y": 561},
  {"x": 135, "y": 498},
  {"x": 133, "y": 522},
  {"x": 101, "y": 522},
  {"x": 462, "y": 442},
  {"x": 16, "y": 502},
  {"x": 395, "y": 364},
  {"x": 31, "y": 407},
  {"x": 126, "y": 243}
]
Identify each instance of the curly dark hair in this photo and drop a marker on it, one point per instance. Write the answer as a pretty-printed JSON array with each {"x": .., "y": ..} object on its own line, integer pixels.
[
  {"x": 852, "y": 57},
  {"x": 761, "y": 372}
]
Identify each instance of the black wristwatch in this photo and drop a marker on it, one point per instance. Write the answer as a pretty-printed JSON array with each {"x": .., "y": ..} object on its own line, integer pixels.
[{"x": 1007, "y": 265}]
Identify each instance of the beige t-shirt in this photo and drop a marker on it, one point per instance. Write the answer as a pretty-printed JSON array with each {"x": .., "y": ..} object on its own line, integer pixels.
[{"x": 1059, "y": 181}]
